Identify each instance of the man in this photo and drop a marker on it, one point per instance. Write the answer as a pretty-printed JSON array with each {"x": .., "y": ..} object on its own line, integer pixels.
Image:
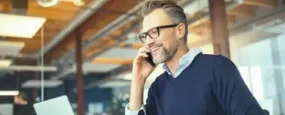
[
  {"x": 21, "y": 106},
  {"x": 20, "y": 99},
  {"x": 193, "y": 83}
]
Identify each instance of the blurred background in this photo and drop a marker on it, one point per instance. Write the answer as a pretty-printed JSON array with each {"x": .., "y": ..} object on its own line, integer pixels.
[{"x": 84, "y": 49}]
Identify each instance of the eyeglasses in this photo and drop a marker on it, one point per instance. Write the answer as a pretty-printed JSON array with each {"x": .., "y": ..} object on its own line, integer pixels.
[{"x": 153, "y": 32}]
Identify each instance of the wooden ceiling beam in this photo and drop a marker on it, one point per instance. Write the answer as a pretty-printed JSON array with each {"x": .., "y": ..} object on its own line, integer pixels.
[
  {"x": 57, "y": 16},
  {"x": 90, "y": 52},
  {"x": 51, "y": 13},
  {"x": 198, "y": 22},
  {"x": 5, "y": 1},
  {"x": 262, "y": 3},
  {"x": 205, "y": 22},
  {"x": 135, "y": 45},
  {"x": 111, "y": 61},
  {"x": 93, "y": 22},
  {"x": 34, "y": 40},
  {"x": 242, "y": 10},
  {"x": 204, "y": 27},
  {"x": 231, "y": 19},
  {"x": 104, "y": 18},
  {"x": 88, "y": 33},
  {"x": 60, "y": 49},
  {"x": 5, "y": 7},
  {"x": 198, "y": 41},
  {"x": 46, "y": 35},
  {"x": 31, "y": 45},
  {"x": 87, "y": 1},
  {"x": 70, "y": 44},
  {"x": 61, "y": 11},
  {"x": 61, "y": 6},
  {"x": 29, "y": 50},
  {"x": 55, "y": 24}
]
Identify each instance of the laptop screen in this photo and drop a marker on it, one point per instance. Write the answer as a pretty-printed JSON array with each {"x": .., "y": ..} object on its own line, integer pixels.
[{"x": 56, "y": 106}]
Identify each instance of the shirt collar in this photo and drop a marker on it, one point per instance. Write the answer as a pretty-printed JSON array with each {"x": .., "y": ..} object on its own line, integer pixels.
[{"x": 185, "y": 60}]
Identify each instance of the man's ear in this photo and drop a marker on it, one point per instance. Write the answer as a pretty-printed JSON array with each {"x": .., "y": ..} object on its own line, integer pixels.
[{"x": 181, "y": 31}]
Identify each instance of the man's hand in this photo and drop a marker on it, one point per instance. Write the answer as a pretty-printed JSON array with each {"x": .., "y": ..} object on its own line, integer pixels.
[{"x": 141, "y": 71}]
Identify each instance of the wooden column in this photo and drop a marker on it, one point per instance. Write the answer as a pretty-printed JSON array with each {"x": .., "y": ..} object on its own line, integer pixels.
[
  {"x": 79, "y": 75},
  {"x": 220, "y": 33}
]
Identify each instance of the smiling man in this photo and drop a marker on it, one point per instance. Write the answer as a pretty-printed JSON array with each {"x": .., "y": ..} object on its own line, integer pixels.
[{"x": 193, "y": 83}]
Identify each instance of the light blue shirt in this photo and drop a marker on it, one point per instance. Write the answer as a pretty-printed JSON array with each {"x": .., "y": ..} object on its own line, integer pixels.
[{"x": 184, "y": 62}]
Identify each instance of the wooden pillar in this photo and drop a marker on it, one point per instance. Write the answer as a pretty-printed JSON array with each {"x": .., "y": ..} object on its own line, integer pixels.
[
  {"x": 220, "y": 33},
  {"x": 79, "y": 75}
]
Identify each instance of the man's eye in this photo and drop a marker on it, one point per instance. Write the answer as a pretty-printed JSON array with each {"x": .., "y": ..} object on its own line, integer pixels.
[
  {"x": 153, "y": 32},
  {"x": 142, "y": 36}
]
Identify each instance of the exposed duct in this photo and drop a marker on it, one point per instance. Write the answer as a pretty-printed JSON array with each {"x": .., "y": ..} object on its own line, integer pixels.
[
  {"x": 116, "y": 24},
  {"x": 229, "y": 6},
  {"x": 268, "y": 22},
  {"x": 83, "y": 16}
]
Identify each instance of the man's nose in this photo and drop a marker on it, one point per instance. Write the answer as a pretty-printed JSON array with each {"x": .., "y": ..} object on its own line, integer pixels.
[{"x": 148, "y": 41}]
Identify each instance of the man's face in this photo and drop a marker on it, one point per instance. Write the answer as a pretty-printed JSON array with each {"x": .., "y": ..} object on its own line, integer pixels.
[{"x": 166, "y": 44}]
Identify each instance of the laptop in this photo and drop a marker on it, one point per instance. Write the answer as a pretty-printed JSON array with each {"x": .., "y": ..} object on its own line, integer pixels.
[{"x": 56, "y": 106}]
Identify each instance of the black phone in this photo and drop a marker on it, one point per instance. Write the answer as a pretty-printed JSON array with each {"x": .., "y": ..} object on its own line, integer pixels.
[{"x": 150, "y": 60}]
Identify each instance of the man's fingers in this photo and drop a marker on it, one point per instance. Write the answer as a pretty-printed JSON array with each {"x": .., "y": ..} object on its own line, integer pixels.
[
  {"x": 144, "y": 55},
  {"x": 143, "y": 50}
]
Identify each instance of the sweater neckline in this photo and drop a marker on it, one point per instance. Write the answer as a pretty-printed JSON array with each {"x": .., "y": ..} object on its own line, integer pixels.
[{"x": 172, "y": 78}]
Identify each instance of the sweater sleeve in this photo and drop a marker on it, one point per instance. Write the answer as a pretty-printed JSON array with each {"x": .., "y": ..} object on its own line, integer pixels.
[
  {"x": 231, "y": 91},
  {"x": 130, "y": 112},
  {"x": 149, "y": 108}
]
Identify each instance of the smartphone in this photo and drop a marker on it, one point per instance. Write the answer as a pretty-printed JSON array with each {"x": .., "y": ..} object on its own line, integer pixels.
[{"x": 149, "y": 59}]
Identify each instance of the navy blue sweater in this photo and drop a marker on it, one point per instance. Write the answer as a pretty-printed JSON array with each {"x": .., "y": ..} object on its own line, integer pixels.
[{"x": 210, "y": 85}]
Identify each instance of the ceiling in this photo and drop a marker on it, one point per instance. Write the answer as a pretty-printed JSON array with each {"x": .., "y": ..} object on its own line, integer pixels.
[
  {"x": 57, "y": 18},
  {"x": 108, "y": 34}
]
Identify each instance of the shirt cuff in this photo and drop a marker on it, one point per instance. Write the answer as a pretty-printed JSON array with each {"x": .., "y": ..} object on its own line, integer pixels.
[{"x": 130, "y": 112}]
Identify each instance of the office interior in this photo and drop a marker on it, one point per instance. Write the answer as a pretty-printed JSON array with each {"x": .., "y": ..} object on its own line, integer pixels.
[{"x": 84, "y": 49}]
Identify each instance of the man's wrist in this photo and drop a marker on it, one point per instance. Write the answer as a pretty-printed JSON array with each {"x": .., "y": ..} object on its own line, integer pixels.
[
  {"x": 136, "y": 96},
  {"x": 138, "y": 80}
]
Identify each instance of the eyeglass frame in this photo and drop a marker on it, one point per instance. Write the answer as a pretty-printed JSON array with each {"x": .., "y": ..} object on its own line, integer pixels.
[{"x": 158, "y": 31}]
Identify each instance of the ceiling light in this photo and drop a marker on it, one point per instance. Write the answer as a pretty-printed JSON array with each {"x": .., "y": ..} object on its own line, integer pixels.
[
  {"x": 9, "y": 93},
  {"x": 8, "y": 48},
  {"x": 5, "y": 63},
  {"x": 126, "y": 76},
  {"x": 47, "y": 3},
  {"x": 38, "y": 83},
  {"x": 20, "y": 26},
  {"x": 76, "y": 2},
  {"x": 115, "y": 84},
  {"x": 79, "y": 2}
]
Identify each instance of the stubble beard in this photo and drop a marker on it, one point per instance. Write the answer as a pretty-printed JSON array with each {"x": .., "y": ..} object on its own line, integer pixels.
[{"x": 166, "y": 54}]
